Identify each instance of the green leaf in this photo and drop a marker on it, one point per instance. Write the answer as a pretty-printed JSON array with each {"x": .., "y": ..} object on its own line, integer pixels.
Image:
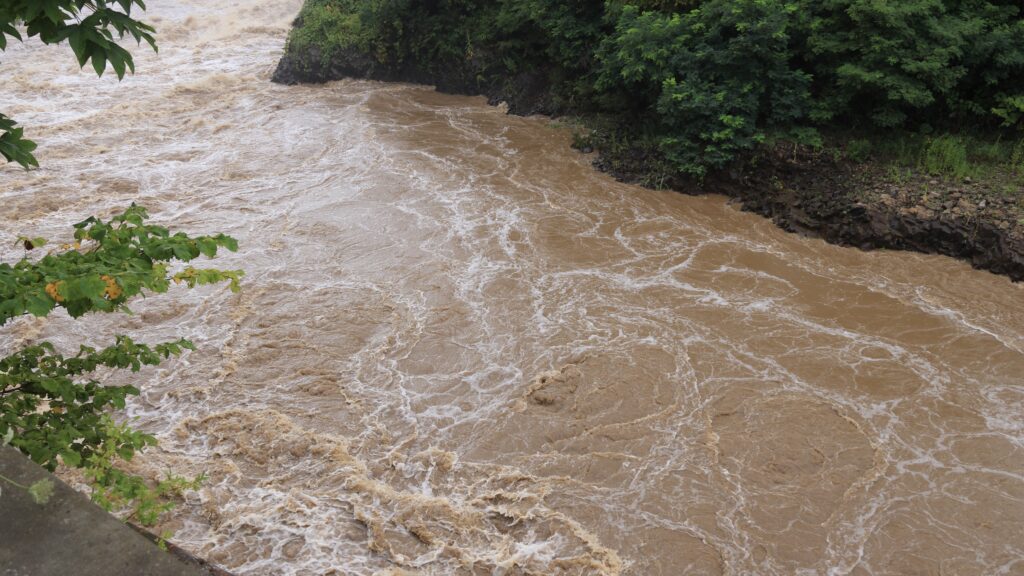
[
  {"x": 116, "y": 56},
  {"x": 71, "y": 458},
  {"x": 86, "y": 287},
  {"x": 99, "y": 61},
  {"x": 39, "y": 305},
  {"x": 182, "y": 252},
  {"x": 13, "y": 146},
  {"x": 208, "y": 247}
]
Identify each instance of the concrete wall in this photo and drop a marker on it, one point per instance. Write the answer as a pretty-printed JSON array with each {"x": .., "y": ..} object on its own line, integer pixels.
[{"x": 69, "y": 535}]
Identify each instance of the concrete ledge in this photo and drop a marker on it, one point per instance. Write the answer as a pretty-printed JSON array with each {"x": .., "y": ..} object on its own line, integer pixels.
[{"x": 70, "y": 535}]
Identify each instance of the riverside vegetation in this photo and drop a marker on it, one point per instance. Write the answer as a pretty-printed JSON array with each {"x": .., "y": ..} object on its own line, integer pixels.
[
  {"x": 51, "y": 406},
  {"x": 846, "y": 107}
]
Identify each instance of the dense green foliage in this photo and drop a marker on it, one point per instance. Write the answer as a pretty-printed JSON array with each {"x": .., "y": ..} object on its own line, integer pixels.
[
  {"x": 51, "y": 406},
  {"x": 717, "y": 78},
  {"x": 91, "y": 28},
  {"x": 699, "y": 83}
]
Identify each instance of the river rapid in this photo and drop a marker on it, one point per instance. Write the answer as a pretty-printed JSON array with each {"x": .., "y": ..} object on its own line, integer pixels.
[{"x": 461, "y": 350}]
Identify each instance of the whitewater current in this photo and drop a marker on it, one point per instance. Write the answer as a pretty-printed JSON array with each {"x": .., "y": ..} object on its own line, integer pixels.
[{"x": 459, "y": 349}]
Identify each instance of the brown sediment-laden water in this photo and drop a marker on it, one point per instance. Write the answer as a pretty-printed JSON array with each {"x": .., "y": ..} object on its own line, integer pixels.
[{"x": 461, "y": 350}]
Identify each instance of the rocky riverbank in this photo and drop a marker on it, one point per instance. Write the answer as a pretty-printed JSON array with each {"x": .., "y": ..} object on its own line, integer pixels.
[
  {"x": 865, "y": 205},
  {"x": 868, "y": 205}
]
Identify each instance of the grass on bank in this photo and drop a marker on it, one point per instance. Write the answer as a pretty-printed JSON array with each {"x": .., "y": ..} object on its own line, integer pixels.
[{"x": 947, "y": 155}]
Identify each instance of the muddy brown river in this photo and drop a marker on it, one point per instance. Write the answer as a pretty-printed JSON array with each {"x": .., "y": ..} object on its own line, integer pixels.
[{"x": 461, "y": 350}]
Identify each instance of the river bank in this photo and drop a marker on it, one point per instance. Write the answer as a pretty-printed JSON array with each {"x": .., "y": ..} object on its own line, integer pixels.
[
  {"x": 868, "y": 204},
  {"x": 862, "y": 205}
]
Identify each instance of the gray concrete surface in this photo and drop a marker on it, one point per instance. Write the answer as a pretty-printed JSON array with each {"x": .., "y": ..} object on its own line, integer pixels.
[{"x": 70, "y": 536}]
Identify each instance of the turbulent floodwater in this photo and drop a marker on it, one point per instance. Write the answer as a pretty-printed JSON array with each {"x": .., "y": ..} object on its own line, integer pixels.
[{"x": 460, "y": 350}]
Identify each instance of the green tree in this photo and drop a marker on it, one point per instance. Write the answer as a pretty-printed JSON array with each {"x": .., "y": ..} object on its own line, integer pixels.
[
  {"x": 92, "y": 28},
  {"x": 914, "y": 61},
  {"x": 710, "y": 83},
  {"x": 51, "y": 406}
]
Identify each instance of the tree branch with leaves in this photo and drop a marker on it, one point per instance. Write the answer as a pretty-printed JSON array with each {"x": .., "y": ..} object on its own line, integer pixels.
[
  {"x": 92, "y": 29},
  {"x": 51, "y": 406}
]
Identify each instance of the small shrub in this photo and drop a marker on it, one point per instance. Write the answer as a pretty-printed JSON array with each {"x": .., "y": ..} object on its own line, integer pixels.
[
  {"x": 947, "y": 156},
  {"x": 582, "y": 140},
  {"x": 330, "y": 29},
  {"x": 898, "y": 174},
  {"x": 1011, "y": 111},
  {"x": 1017, "y": 157},
  {"x": 988, "y": 151},
  {"x": 858, "y": 149}
]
